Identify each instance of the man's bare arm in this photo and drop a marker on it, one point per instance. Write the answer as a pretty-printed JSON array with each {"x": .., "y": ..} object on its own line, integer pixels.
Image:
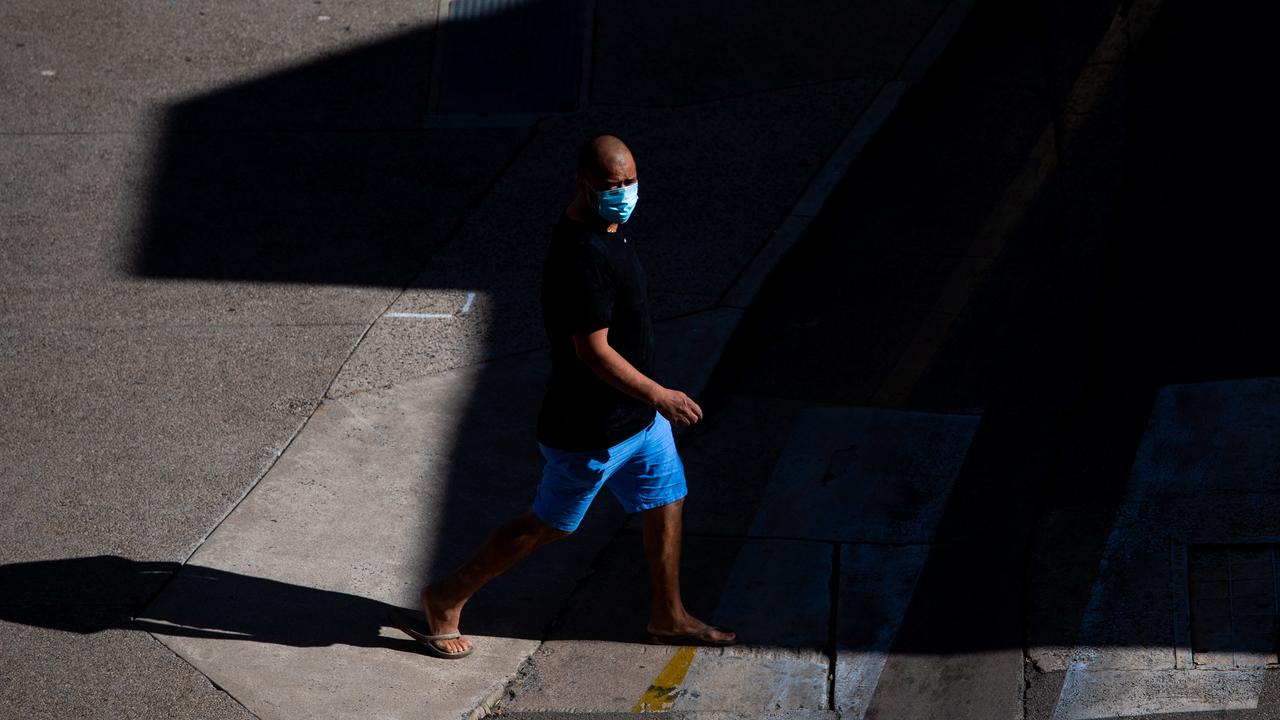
[{"x": 594, "y": 351}]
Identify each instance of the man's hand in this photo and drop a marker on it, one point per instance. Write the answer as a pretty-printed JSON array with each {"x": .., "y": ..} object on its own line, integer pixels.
[
  {"x": 593, "y": 349},
  {"x": 677, "y": 407}
]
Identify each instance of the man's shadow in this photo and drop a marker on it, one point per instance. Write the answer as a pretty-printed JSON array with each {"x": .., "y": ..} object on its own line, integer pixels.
[
  {"x": 88, "y": 595},
  {"x": 93, "y": 594}
]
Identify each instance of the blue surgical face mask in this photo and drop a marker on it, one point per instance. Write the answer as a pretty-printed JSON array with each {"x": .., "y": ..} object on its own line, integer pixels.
[{"x": 616, "y": 205}]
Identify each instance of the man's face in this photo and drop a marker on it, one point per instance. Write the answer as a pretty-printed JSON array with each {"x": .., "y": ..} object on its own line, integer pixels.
[{"x": 619, "y": 173}]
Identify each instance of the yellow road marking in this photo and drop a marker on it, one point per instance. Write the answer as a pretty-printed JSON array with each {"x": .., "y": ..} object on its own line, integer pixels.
[{"x": 663, "y": 692}]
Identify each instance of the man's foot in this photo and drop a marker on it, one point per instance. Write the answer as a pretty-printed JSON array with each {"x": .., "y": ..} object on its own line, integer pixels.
[
  {"x": 690, "y": 631},
  {"x": 442, "y": 619}
]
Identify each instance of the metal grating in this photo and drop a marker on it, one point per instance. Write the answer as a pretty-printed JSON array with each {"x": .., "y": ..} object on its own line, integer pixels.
[{"x": 1234, "y": 594}]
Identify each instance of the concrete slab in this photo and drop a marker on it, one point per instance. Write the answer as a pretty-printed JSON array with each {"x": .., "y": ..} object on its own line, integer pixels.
[
  {"x": 313, "y": 534},
  {"x": 316, "y": 206},
  {"x": 49, "y": 674},
  {"x": 585, "y": 676},
  {"x": 102, "y": 68},
  {"x": 1089, "y": 694},
  {"x": 738, "y": 679},
  {"x": 787, "y": 661},
  {"x": 691, "y": 251},
  {"x": 331, "y": 538},
  {"x": 98, "y": 431},
  {"x": 773, "y": 574},
  {"x": 762, "y": 46},
  {"x": 865, "y": 475},
  {"x": 781, "y": 665},
  {"x": 876, "y": 584},
  {"x": 1202, "y": 474},
  {"x": 728, "y": 460}
]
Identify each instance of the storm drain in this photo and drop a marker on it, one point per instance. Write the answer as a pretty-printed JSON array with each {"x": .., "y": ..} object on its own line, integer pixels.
[
  {"x": 1234, "y": 597},
  {"x": 508, "y": 62}
]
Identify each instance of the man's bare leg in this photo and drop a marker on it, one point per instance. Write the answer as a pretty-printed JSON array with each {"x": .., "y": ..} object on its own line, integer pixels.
[
  {"x": 667, "y": 614},
  {"x": 516, "y": 540}
]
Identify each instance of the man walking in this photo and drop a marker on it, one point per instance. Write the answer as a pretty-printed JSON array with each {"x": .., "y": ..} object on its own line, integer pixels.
[{"x": 604, "y": 422}]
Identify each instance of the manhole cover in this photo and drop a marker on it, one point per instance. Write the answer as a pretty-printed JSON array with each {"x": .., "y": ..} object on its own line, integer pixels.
[{"x": 1234, "y": 593}]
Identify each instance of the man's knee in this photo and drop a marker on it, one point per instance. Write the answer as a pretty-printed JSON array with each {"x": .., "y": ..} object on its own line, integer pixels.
[
  {"x": 551, "y": 533},
  {"x": 544, "y": 531}
]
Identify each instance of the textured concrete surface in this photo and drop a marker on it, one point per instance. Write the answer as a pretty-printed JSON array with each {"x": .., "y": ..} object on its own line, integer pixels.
[
  {"x": 865, "y": 475},
  {"x": 286, "y": 600},
  {"x": 54, "y": 674},
  {"x": 93, "y": 67},
  {"x": 195, "y": 376},
  {"x": 1204, "y": 473},
  {"x": 693, "y": 241},
  {"x": 780, "y": 587}
]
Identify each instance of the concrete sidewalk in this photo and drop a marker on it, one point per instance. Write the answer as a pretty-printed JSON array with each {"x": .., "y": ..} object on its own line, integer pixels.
[{"x": 217, "y": 218}]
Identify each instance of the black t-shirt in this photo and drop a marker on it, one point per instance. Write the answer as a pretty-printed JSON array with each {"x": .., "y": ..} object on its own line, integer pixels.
[{"x": 592, "y": 280}]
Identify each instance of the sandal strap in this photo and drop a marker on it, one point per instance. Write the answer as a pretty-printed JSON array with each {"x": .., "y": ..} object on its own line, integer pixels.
[{"x": 442, "y": 636}]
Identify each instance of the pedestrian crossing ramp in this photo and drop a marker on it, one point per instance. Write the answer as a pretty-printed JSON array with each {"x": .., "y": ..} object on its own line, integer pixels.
[{"x": 819, "y": 586}]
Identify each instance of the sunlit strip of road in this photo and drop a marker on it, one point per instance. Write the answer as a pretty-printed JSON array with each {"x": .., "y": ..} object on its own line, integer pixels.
[{"x": 1207, "y": 472}]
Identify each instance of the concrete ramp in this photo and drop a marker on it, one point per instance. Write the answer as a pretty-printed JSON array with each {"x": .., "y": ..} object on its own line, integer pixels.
[
  {"x": 1189, "y": 564},
  {"x": 816, "y": 590},
  {"x": 285, "y": 604}
]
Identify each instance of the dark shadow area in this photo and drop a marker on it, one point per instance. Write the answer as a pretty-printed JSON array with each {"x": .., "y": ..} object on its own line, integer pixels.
[
  {"x": 333, "y": 172},
  {"x": 92, "y": 594},
  {"x": 327, "y": 173},
  {"x": 1138, "y": 266}
]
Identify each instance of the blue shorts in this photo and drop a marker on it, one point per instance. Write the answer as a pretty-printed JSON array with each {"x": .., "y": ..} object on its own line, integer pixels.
[{"x": 644, "y": 471}]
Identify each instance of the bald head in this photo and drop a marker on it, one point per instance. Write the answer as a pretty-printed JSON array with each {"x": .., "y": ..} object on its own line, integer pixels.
[{"x": 605, "y": 157}]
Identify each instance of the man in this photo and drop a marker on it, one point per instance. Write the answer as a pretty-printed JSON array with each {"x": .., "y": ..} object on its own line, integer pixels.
[{"x": 603, "y": 422}]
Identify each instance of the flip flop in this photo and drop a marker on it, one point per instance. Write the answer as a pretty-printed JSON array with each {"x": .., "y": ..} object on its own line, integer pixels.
[
  {"x": 406, "y": 623},
  {"x": 702, "y": 638}
]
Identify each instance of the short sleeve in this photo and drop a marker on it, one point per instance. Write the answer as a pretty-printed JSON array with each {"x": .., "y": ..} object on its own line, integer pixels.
[{"x": 590, "y": 290}]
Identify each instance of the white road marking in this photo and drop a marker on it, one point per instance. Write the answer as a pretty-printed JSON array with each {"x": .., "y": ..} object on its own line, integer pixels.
[
  {"x": 417, "y": 315},
  {"x": 466, "y": 308}
]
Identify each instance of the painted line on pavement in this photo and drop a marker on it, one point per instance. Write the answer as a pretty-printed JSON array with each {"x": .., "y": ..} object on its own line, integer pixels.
[
  {"x": 466, "y": 308},
  {"x": 662, "y": 693},
  {"x": 838, "y": 479},
  {"x": 417, "y": 315}
]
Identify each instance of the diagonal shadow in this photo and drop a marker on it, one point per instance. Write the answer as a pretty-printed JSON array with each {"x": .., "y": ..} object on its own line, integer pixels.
[
  {"x": 92, "y": 594},
  {"x": 326, "y": 174}
]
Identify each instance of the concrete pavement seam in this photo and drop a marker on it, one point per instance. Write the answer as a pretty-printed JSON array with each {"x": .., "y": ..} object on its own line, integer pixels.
[
  {"x": 750, "y": 281},
  {"x": 833, "y": 620}
]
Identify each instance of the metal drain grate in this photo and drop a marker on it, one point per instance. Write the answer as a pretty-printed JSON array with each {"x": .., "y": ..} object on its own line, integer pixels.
[{"x": 1234, "y": 593}]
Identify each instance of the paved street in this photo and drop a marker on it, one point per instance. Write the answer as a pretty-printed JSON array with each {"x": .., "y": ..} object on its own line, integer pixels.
[{"x": 977, "y": 298}]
